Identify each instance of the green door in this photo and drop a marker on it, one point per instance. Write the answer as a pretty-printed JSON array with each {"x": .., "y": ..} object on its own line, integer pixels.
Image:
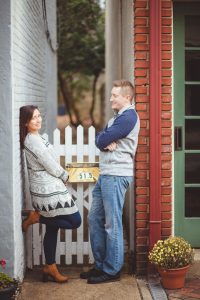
[{"x": 187, "y": 121}]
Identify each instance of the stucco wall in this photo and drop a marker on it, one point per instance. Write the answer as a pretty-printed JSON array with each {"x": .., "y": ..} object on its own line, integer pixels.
[{"x": 28, "y": 76}]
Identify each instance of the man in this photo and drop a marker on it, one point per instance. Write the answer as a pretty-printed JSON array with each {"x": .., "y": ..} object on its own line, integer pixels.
[{"x": 117, "y": 144}]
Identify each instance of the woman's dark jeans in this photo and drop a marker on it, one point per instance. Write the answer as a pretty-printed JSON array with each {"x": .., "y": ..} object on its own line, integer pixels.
[{"x": 53, "y": 224}]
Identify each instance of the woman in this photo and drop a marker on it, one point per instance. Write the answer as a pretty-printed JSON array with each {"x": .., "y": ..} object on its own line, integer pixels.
[{"x": 53, "y": 205}]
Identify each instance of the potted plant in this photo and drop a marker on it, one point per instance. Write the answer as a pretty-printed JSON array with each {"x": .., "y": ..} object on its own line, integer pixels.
[
  {"x": 8, "y": 285},
  {"x": 172, "y": 257}
]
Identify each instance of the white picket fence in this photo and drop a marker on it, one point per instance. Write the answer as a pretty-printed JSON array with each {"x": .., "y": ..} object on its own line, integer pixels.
[{"x": 70, "y": 244}]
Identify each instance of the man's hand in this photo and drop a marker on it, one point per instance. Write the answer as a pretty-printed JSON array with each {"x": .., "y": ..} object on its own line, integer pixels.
[{"x": 111, "y": 147}]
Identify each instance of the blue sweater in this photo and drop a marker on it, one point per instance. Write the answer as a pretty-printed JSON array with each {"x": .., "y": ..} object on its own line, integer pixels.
[{"x": 122, "y": 129}]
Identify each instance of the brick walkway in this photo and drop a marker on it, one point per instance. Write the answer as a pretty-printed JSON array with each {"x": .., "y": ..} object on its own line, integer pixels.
[{"x": 190, "y": 291}]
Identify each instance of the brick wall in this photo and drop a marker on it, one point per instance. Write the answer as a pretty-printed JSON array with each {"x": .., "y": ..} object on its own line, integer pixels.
[{"x": 141, "y": 47}]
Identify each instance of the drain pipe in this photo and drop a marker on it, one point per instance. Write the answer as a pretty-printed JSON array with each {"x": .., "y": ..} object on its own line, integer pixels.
[{"x": 155, "y": 122}]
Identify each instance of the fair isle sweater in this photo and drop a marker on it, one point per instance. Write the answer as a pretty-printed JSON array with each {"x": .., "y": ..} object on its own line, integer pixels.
[
  {"x": 46, "y": 178},
  {"x": 123, "y": 129}
]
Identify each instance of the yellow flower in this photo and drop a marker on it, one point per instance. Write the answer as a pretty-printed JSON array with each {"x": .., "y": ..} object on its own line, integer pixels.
[{"x": 173, "y": 252}]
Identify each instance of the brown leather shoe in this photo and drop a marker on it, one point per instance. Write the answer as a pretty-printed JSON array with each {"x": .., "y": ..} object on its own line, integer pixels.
[
  {"x": 52, "y": 271},
  {"x": 33, "y": 218}
]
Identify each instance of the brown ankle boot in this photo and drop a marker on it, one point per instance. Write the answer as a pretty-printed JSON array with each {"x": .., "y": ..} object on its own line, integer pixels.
[
  {"x": 52, "y": 271},
  {"x": 33, "y": 218}
]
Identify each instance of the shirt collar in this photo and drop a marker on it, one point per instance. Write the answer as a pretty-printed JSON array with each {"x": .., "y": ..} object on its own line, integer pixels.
[{"x": 123, "y": 109}]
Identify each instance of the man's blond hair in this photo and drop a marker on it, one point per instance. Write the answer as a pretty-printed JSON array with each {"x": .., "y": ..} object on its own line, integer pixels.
[{"x": 127, "y": 89}]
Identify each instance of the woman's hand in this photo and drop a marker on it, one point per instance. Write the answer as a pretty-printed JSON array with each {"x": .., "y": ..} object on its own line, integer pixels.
[{"x": 111, "y": 147}]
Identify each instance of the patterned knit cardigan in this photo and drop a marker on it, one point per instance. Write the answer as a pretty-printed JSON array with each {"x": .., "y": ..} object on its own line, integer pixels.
[{"x": 46, "y": 177}]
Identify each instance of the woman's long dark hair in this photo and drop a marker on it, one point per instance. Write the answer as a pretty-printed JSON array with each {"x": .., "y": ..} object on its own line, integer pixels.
[{"x": 26, "y": 113}]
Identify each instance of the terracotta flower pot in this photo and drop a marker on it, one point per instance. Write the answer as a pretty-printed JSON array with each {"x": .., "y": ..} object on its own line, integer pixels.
[{"x": 173, "y": 278}]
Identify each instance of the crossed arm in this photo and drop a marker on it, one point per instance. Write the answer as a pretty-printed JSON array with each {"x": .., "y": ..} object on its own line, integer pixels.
[{"x": 106, "y": 140}]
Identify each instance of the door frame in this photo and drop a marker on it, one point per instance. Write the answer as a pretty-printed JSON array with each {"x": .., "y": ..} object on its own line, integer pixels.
[{"x": 180, "y": 221}]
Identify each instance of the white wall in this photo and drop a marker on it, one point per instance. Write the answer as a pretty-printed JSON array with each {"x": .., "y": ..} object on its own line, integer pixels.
[
  {"x": 34, "y": 82},
  {"x": 28, "y": 76},
  {"x": 6, "y": 160},
  {"x": 119, "y": 45}
]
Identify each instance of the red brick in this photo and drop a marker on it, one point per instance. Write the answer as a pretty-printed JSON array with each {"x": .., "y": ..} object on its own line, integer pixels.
[
  {"x": 166, "y": 73},
  {"x": 144, "y": 132},
  {"x": 166, "y": 90},
  {"x": 140, "y": 54},
  {"x": 141, "y": 21},
  {"x": 166, "y": 131},
  {"x": 166, "y": 124},
  {"x": 166, "y": 182},
  {"x": 141, "y": 174},
  {"x": 142, "y": 149},
  {"x": 166, "y": 55},
  {"x": 166, "y": 98},
  {"x": 141, "y": 240},
  {"x": 142, "y": 98},
  {"x": 166, "y": 148},
  {"x": 140, "y": 4},
  {"x": 166, "y": 173},
  {"x": 142, "y": 199},
  {"x": 166, "y": 13},
  {"x": 166, "y": 115},
  {"x": 166, "y": 4},
  {"x": 142, "y": 182},
  {"x": 141, "y": 81},
  {"x": 141, "y": 12},
  {"x": 166, "y": 81},
  {"x": 144, "y": 124},
  {"x": 166, "y": 215},
  {"x": 142, "y": 47},
  {"x": 166, "y": 224},
  {"x": 166, "y": 140},
  {"x": 141, "y": 90},
  {"x": 166, "y": 107},
  {"x": 166, "y": 156},
  {"x": 140, "y": 38},
  {"x": 140, "y": 73},
  {"x": 141, "y": 30},
  {"x": 166, "y": 199},
  {"x": 166, "y": 191},
  {"x": 141, "y": 64},
  {"x": 166, "y": 30},
  {"x": 141, "y": 106},
  {"x": 142, "y": 157},
  {"x": 166, "y": 231},
  {"x": 166, "y": 165},
  {"x": 166, "y": 64},
  {"x": 142, "y": 232},
  {"x": 142, "y": 208},
  {"x": 167, "y": 21},
  {"x": 142, "y": 216},
  {"x": 166, "y": 47},
  {"x": 143, "y": 115},
  {"x": 166, "y": 207},
  {"x": 141, "y": 190},
  {"x": 166, "y": 38},
  {"x": 142, "y": 140}
]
